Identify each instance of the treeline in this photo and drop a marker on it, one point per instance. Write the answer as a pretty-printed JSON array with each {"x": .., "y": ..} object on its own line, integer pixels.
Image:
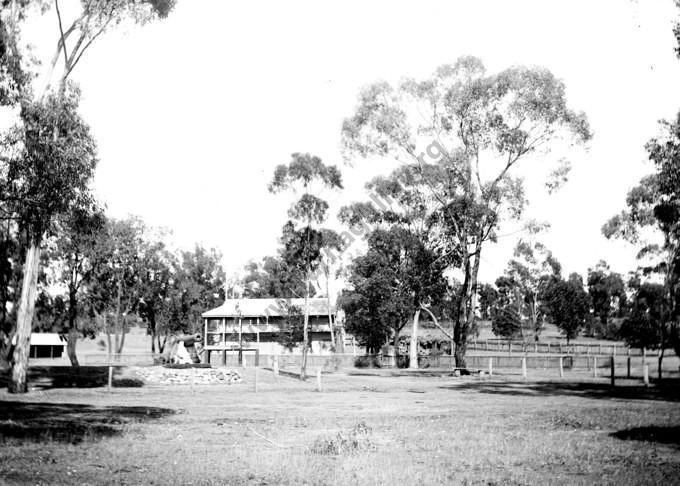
[
  {"x": 532, "y": 292},
  {"x": 104, "y": 275}
]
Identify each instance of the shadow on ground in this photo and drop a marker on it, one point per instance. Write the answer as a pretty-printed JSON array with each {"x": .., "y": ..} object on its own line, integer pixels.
[
  {"x": 664, "y": 391},
  {"x": 69, "y": 422},
  {"x": 46, "y": 377},
  {"x": 664, "y": 435}
]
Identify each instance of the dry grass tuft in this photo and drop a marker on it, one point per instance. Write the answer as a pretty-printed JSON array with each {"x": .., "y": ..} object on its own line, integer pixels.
[{"x": 356, "y": 439}]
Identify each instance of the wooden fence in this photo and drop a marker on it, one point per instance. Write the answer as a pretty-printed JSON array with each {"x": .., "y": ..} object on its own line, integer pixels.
[{"x": 597, "y": 349}]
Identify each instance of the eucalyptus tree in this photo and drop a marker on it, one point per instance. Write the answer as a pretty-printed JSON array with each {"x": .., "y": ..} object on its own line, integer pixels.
[
  {"x": 567, "y": 304},
  {"x": 507, "y": 312},
  {"x": 158, "y": 273},
  {"x": 414, "y": 251},
  {"x": 301, "y": 240},
  {"x": 652, "y": 221},
  {"x": 607, "y": 292},
  {"x": 50, "y": 163},
  {"x": 398, "y": 278},
  {"x": 463, "y": 133},
  {"x": 531, "y": 269},
  {"x": 274, "y": 278},
  {"x": 75, "y": 260},
  {"x": 57, "y": 155}
]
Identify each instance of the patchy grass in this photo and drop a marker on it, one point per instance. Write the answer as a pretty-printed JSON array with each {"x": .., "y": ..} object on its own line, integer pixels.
[{"x": 362, "y": 429}]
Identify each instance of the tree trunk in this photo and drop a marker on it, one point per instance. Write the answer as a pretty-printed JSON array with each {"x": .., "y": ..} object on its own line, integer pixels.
[
  {"x": 17, "y": 382},
  {"x": 330, "y": 315},
  {"x": 460, "y": 327},
  {"x": 413, "y": 348},
  {"x": 71, "y": 342},
  {"x": 118, "y": 326},
  {"x": 123, "y": 329},
  {"x": 72, "y": 339},
  {"x": 152, "y": 326},
  {"x": 161, "y": 344},
  {"x": 466, "y": 306},
  {"x": 305, "y": 335}
]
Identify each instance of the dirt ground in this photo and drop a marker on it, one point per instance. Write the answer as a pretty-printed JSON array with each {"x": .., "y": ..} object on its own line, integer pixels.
[{"x": 363, "y": 427}]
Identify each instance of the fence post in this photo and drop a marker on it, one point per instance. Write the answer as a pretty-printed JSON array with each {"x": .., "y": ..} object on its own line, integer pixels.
[
  {"x": 275, "y": 366},
  {"x": 645, "y": 375},
  {"x": 594, "y": 366},
  {"x": 659, "y": 365},
  {"x": 548, "y": 348},
  {"x": 490, "y": 366},
  {"x": 110, "y": 382},
  {"x": 612, "y": 367},
  {"x": 486, "y": 347},
  {"x": 561, "y": 368},
  {"x": 628, "y": 367},
  {"x": 524, "y": 367},
  {"x": 318, "y": 379}
]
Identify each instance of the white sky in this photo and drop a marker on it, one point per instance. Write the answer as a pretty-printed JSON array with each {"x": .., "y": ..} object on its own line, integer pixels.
[{"x": 192, "y": 114}]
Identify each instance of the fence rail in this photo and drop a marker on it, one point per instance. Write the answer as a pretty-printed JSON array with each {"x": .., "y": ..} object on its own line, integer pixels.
[{"x": 596, "y": 349}]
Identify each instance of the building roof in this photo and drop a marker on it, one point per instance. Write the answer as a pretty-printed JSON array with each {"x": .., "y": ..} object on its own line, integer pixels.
[
  {"x": 44, "y": 339},
  {"x": 267, "y": 307}
]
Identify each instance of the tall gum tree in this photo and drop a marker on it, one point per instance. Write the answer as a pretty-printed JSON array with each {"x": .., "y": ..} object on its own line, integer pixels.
[
  {"x": 302, "y": 244},
  {"x": 73, "y": 40},
  {"x": 474, "y": 129}
]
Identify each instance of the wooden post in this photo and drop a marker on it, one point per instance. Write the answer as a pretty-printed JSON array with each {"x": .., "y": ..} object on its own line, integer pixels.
[
  {"x": 628, "y": 367},
  {"x": 561, "y": 368},
  {"x": 594, "y": 366},
  {"x": 612, "y": 367},
  {"x": 524, "y": 367},
  {"x": 110, "y": 382},
  {"x": 548, "y": 348},
  {"x": 645, "y": 375},
  {"x": 318, "y": 379},
  {"x": 486, "y": 344},
  {"x": 275, "y": 366},
  {"x": 660, "y": 363},
  {"x": 490, "y": 366}
]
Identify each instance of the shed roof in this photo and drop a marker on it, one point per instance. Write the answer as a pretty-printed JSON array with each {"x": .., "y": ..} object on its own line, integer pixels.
[
  {"x": 267, "y": 307},
  {"x": 44, "y": 339}
]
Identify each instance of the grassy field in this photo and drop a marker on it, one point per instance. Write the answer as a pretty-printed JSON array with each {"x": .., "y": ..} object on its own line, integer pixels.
[{"x": 367, "y": 427}]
